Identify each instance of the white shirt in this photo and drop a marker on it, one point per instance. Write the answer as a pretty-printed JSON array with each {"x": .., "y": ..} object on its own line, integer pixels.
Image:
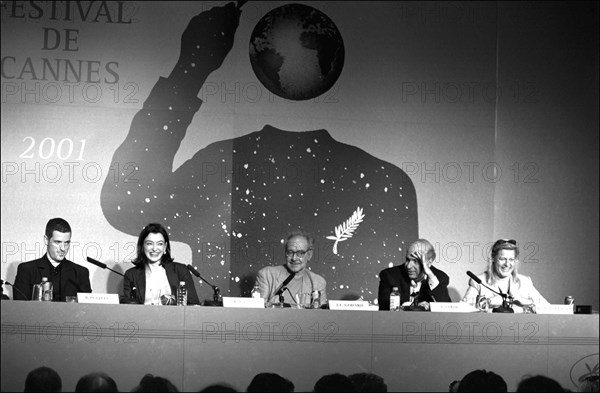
[{"x": 157, "y": 283}]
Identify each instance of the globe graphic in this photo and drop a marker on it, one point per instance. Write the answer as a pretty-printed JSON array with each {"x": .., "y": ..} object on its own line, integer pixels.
[{"x": 296, "y": 52}]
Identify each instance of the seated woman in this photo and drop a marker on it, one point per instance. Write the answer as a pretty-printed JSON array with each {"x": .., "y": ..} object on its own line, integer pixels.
[
  {"x": 155, "y": 275},
  {"x": 502, "y": 276}
]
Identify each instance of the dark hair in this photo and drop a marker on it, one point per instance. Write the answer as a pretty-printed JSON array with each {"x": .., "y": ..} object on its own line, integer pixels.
[
  {"x": 453, "y": 387},
  {"x": 57, "y": 224},
  {"x": 150, "y": 383},
  {"x": 334, "y": 383},
  {"x": 368, "y": 382},
  {"x": 219, "y": 387},
  {"x": 299, "y": 232},
  {"x": 96, "y": 382},
  {"x": 43, "y": 379},
  {"x": 539, "y": 383},
  {"x": 270, "y": 382},
  {"x": 482, "y": 381},
  {"x": 154, "y": 227}
]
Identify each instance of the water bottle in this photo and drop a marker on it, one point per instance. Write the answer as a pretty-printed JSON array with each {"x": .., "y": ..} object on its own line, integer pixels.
[
  {"x": 315, "y": 299},
  {"x": 47, "y": 290},
  {"x": 182, "y": 294},
  {"x": 255, "y": 292},
  {"x": 395, "y": 299}
]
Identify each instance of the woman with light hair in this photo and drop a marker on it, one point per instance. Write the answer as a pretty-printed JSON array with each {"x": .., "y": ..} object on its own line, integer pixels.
[{"x": 502, "y": 276}]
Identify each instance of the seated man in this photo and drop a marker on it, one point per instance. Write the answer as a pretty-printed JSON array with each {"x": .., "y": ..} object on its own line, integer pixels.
[
  {"x": 419, "y": 283},
  {"x": 67, "y": 277},
  {"x": 293, "y": 275}
]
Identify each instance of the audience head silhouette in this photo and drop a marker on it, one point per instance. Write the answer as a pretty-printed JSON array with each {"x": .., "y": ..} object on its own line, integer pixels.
[
  {"x": 482, "y": 381},
  {"x": 43, "y": 379},
  {"x": 334, "y": 383},
  {"x": 539, "y": 383},
  {"x": 367, "y": 382},
  {"x": 218, "y": 388},
  {"x": 591, "y": 383},
  {"x": 454, "y": 386},
  {"x": 150, "y": 383},
  {"x": 270, "y": 382},
  {"x": 96, "y": 382}
]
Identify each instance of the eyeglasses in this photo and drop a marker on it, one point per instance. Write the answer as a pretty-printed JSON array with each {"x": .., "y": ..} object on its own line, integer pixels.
[{"x": 300, "y": 254}]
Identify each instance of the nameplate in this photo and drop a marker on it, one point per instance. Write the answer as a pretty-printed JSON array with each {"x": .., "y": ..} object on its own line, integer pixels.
[
  {"x": 452, "y": 307},
  {"x": 98, "y": 298},
  {"x": 360, "y": 305},
  {"x": 554, "y": 309},
  {"x": 243, "y": 302}
]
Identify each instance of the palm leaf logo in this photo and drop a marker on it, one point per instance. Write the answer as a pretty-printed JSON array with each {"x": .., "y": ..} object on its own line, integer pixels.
[{"x": 345, "y": 230}]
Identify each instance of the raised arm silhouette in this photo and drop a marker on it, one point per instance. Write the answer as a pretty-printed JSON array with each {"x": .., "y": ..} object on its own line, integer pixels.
[{"x": 232, "y": 201}]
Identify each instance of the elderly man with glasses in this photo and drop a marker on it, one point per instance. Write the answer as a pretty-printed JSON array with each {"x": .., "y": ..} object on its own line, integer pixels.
[
  {"x": 285, "y": 284},
  {"x": 502, "y": 276}
]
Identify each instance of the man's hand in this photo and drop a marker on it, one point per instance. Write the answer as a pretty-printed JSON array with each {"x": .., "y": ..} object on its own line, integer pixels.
[
  {"x": 419, "y": 257},
  {"x": 208, "y": 38},
  {"x": 425, "y": 305},
  {"x": 426, "y": 265}
]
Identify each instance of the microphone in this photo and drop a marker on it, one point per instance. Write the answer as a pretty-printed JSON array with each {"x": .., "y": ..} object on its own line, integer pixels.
[
  {"x": 18, "y": 290},
  {"x": 505, "y": 307},
  {"x": 133, "y": 297},
  {"x": 474, "y": 277},
  {"x": 217, "y": 291},
  {"x": 284, "y": 287},
  {"x": 99, "y": 264}
]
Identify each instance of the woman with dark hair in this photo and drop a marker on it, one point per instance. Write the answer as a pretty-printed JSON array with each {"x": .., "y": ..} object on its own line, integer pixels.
[
  {"x": 155, "y": 275},
  {"x": 502, "y": 276}
]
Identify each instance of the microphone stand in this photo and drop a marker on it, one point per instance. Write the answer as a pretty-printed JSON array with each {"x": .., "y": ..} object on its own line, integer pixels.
[
  {"x": 133, "y": 297},
  {"x": 217, "y": 301},
  {"x": 281, "y": 295},
  {"x": 283, "y": 288},
  {"x": 505, "y": 307},
  {"x": 5, "y": 297},
  {"x": 415, "y": 304},
  {"x": 282, "y": 303}
]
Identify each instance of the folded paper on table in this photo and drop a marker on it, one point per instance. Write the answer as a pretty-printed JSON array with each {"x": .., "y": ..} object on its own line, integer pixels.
[
  {"x": 554, "y": 309},
  {"x": 359, "y": 305},
  {"x": 452, "y": 307},
  {"x": 98, "y": 298},
  {"x": 243, "y": 302}
]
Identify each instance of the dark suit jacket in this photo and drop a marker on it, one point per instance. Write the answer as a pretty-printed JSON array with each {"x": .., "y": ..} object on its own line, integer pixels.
[
  {"x": 397, "y": 276},
  {"x": 73, "y": 278},
  {"x": 175, "y": 272}
]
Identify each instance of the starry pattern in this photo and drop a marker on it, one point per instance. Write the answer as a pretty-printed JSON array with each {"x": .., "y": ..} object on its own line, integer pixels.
[{"x": 234, "y": 200}]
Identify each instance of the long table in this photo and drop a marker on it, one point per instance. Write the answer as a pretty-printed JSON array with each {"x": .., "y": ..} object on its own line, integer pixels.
[{"x": 197, "y": 346}]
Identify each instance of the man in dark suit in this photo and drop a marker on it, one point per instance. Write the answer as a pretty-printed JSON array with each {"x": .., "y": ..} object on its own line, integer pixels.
[
  {"x": 67, "y": 277},
  {"x": 418, "y": 282}
]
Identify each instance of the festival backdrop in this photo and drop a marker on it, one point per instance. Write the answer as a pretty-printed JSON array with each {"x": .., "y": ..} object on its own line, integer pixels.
[{"x": 368, "y": 124}]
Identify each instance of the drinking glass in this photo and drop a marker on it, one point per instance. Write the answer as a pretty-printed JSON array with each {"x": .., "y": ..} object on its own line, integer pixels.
[
  {"x": 36, "y": 293},
  {"x": 155, "y": 297},
  {"x": 305, "y": 300}
]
